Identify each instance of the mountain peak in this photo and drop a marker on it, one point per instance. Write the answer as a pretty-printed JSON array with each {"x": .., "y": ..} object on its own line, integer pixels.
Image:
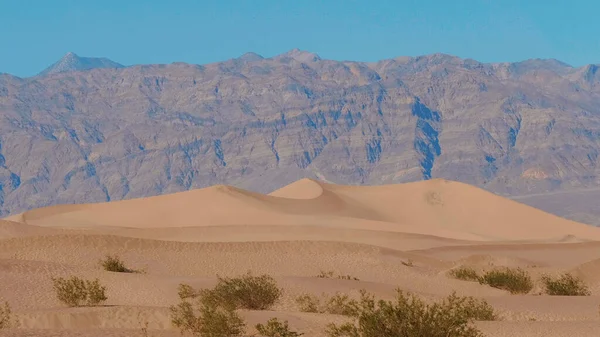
[
  {"x": 73, "y": 62},
  {"x": 301, "y": 55},
  {"x": 251, "y": 57}
]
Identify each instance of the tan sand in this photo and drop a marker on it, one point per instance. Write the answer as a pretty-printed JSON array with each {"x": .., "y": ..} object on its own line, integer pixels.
[{"x": 371, "y": 233}]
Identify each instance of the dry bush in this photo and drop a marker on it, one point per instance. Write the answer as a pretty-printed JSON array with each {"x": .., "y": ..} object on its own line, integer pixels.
[
  {"x": 408, "y": 263},
  {"x": 275, "y": 328},
  {"x": 113, "y": 263},
  {"x": 308, "y": 303},
  {"x": 5, "y": 316},
  {"x": 331, "y": 274},
  {"x": 75, "y": 291},
  {"x": 517, "y": 280},
  {"x": 212, "y": 313},
  {"x": 464, "y": 273},
  {"x": 245, "y": 292},
  {"x": 326, "y": 274},
  {"x": 338, "y": 304},
  {"x": 565, "y": 285},
  {"x": 207, "y": 319},
  {"x": 409, "y": 316}
]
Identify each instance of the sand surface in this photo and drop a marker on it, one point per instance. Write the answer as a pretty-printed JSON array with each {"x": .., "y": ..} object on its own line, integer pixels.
[{"x": 293, "y": 234}]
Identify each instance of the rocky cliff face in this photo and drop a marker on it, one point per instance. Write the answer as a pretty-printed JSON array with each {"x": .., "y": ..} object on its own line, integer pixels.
[{"x": 110, "y": 134}]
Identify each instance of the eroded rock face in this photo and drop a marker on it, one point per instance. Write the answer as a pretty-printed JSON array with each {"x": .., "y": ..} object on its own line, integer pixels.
[{"x": 110, "y": 134}]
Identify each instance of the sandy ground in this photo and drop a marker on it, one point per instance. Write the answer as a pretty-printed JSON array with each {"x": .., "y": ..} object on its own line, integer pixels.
[{"x": 294, "y": 234}]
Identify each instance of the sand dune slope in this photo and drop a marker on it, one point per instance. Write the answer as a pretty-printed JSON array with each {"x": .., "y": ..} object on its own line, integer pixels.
[
  {"x": 436, "y": 207},
  {"x": 386, "y": 237}
]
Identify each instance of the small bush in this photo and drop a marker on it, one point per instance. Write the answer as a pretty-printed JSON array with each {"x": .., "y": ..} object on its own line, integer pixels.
[
  {"x": 517, "y": 281},
  {"x": 325, "y": 274},
  {"x": 245, "y": 292},
  {"x": 409, "y": 316},
  {"x": 114, "y": 264},
  {"x": 330, "y": 274},
  {"x": 565, "y": 285},
  {"x": 208, "y": 319},
  {"x": 341, "y": 305},
  {"x": 275, "y": 328},
  {"x": 75, "y": 291},
  {"x": 5, "y": 316},
  {"x": 464, "y": 273},
  {"x": 408, "y": 263},
  {"x": 308, "y": 303}
]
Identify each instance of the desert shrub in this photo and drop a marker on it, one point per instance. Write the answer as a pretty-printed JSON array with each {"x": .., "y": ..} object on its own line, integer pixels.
[
  {"x": 517, "y": 281},
  {"x": 114, "y": 264},
  {"x": 206, "y": 319},
  {"x": 464, "y": 273},
  {"x": 339, "y": 304},
  {"x": 565, "y": 285},
  {"x": 75, "y": 291},
  {"x": 185, "y": 291},
  {"x": 275, "y": 328},
  {"x": 308, "y": 303},
  {"x": 244, "y": 292},
  {"x": 409, "y": 316},
  {"x": 408, "y": 263},
  {"x": 330, "y": 274},
  {"x": 325, "y": 274},
  {"x": 5, "y": 316}
]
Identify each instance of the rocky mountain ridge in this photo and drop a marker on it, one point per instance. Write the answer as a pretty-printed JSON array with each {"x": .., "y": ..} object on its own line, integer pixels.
[{"x": 531, "y": 127}]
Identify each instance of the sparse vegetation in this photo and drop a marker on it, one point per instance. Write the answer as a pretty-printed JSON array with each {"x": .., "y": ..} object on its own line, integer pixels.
[
  {"x": 213, "y": 312},
  {"x": 113, "y": 263},
  {"x": 245, "y": 292},
  {"x": 275, "y": 328},
  {"x": 207, "y": 319},
  {"x": 517, "y": 280},
  {"x": 409, "y": 316},
  {"x": 565, "y": 285},
  {"x": 75, "y": 291},
  {"x": 464, "y": 273},
  {"x": 408, "y": 263},
  {"x": 339, "y": 304},
  {"x": 308, "y": 303},
  {"x": 331, "y": 274},
  {"x": 5, "y": 316}
]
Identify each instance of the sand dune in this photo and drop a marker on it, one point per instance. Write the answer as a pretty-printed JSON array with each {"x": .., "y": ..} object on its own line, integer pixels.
[
  {"x": 406, "y": 236},
  {"x": 437, "y": 207}
]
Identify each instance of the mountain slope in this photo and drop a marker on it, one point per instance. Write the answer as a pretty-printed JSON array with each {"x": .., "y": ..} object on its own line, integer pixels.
[
  {"x": 73, "y": 62},
  {"x": 261, "y": 123}
]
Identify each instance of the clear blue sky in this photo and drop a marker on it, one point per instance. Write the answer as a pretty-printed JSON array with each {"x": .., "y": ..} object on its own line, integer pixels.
[{"x": 35, "y": 33}]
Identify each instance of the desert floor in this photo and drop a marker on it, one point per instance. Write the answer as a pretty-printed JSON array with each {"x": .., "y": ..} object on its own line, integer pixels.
[{"x": 399, "y": 236}]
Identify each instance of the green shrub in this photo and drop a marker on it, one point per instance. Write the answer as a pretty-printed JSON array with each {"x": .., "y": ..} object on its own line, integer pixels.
[
  {"x": 517, "y": 281},
  {"x": 75, "y": 291},
  {"x": 409, "y": 316},
  {"x": 275, "y": 328},
  {"x": 464, "y": 273},
  {"x": 5, "y": 316},
  {"x": 245, "y": 292},
  {"x": 308, "y": 303},
  {"x": 114, "y": 264},
  {"x": 207, "y": 319},
  {"x": 565, "y": 285},
  {"x": 339, "y": 304}
]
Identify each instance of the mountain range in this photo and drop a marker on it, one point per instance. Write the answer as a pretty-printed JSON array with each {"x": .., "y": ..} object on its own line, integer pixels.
[{"x": 91, "y": 130}]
